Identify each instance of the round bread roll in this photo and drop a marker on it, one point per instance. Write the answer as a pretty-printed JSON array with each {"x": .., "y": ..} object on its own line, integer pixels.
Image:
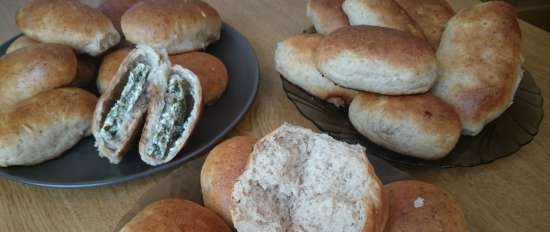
[
  {"x": 418, "y": 206},
  {"x": 31, "y": 70},
  {"x": 326, "y": 15},
  {"x": 109, "y": 66},
  {"x": 383, "y": 13},
  {"x": 294, "y": 60},
  {"x": 431, "y": 16},
  {"x": 224, "y": 164},
  {"x": 480, "y": 63},
  {"x": 210, "y": 70},
  {"x": 376, "y": 59},
  {"x": 298, "y": 180},
  {"x": 114, "y": 9},
  {"x": 44, "y": 126},
  {"x": 21, "y": 42},
  {"x": 175, "y": 25},
  {"x": 421, "y": 126},
  {"x": 68, "y": 22},
  {"x": 175, "y": 215}
]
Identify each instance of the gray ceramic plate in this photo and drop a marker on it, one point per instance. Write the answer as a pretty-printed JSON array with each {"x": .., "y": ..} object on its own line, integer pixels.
[{"x": 81, "y": 167}]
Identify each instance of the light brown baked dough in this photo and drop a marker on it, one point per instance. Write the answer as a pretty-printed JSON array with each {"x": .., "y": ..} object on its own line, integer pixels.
[
  {"x": 175, "y": 215},
  {"x": 175, "y": 25},
  {"x": 68, "y": 22},
  {"x": 210, "y": 70},
  {"x": 224, "y": 164},
  {"x": 419, "y": 125},
  {"x": 114, "y": 9},
  {"x": 21, "y": 42},
  {"x": 377, "y": 59},
  {"x": 383, "y": 13},
  {"x": 31, "y": 70},
  {"x": 326, "y": 15},
  {"x": 480, "y": 63},
  {"x": 431, "y": 16},
  {"x": 294, "y": 59},
  {"x": 44, "y": 126},
  {"x": 109, "y": 66},
  {"x": 418, "y": 206},
  {"x": 298, "y": 180}
]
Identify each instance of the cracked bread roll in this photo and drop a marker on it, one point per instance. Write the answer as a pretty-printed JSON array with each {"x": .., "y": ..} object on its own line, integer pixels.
[
  {"x": 480, "y": 63},
  {"x": 419, "y": 206},
  {"x": 175, "y": 25},
  {"x": 68, "y": 22},
  {"x": 298, "y": 180},
  {"x": 377, "y": 59},
  {"x": 44, "y": 126},
  {"x": 326, "y": 15},
  {"x": 294, "y": 59},
  {"x": 422, "y": 126}
]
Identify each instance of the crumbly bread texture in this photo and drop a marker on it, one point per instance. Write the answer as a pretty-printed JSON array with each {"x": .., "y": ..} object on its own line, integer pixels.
[
  {"x": 326, "y": 15},
  {"x": 418, "y": 206},
  {"x": 480, "y": 63},
  {"x": 420, "y": 125},
  {"x": 294, "y": 60},
  {"x": 377, "y": 59},
  {"x": 298, "y": 180}
]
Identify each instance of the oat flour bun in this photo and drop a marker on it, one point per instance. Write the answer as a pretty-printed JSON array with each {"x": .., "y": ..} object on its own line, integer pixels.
[
  {"x": 480, "y": 63},
  {"x": 326, "y": 15},
  {"x": 383, "y": 13},
  {"x": 109, "y": 66},
  {"x": 175, "y": 215},
  {"x": 421, "y": 126},
  {"x": 210, "y": 70},
  {"x": 28, "y": 71},
  {"x": 114, "y": 9},
  {"x": 131, "y": 83},
  {"x": 21, "y": 42},
  {"x": 173, "y": 112},
  {"x": 294, "y": 60},
  {"x": 68, "y": 22},
  {"x": 431, "y": 16},
  {"x": 176, "y": 25},
  {"x": 377, "y": 59},
  {"x": 419, "y": 206},
  {"x": 224, "y": 164},
  {"x": 298, "y": 180},
  {"x": 44, "y": 126}
]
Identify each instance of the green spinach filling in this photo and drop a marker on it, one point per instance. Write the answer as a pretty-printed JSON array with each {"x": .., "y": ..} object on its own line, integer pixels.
[
  {"x": 137, "y": 79},
  {"x": 172, "y": 119}
]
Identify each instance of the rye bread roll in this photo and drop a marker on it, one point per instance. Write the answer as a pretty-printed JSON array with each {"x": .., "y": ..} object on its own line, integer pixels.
[
  {"x": 175, "y": 25},
  {"x": 68, "y": 22},
  {"x": 175, "y": 215},
  {"x": 480, "y": 63},
  {"x": 173, "y": 111},
  {"x": 431, "y": 16},
  {"x": 28, "y": 71},
  {"x": 220, "y": 171},
  {"x": 44, "y": 126},
  {"x": 419, "y": 206},
  {"x": 422, "y": 126},
  {"x": 376, "y": 59},
  {"x": 383, "y": 13},
  {"x": 21, "y": 42},
  {"x": 114, "y": 9},
  {"x": 121, "y": 109},
  {"x": 210, "y": 70},
  {"x": 298, "y": 180},
  {"x": 294, "y": 59},
  {"x": 109, "y": 66},
  {"x": 326, "y": 15}
]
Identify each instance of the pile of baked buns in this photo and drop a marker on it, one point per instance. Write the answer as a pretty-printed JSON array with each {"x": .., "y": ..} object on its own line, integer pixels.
[
  {"x": 294, "y": 179},
  {"x": 144, "y": 57},
  {"x": 413, "y": 75}
]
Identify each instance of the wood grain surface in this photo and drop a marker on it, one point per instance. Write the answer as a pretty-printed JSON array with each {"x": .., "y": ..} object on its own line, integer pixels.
[{"x": 511, "y": 194}]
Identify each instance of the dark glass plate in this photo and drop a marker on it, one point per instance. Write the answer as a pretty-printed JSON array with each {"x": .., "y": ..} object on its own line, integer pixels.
[
  {"x": 504, "y": 136},
  {"x": 81, "y": 167}
]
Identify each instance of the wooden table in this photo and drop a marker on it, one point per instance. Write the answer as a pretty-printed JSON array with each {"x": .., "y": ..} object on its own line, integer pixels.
[{"x": 511, "y": 194}]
